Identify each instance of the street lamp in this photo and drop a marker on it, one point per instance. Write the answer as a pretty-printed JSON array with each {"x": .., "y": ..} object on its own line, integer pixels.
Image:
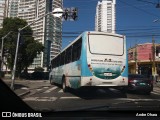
[
  {"x": 2, "y": 49},
  {"x": 19, "y": 32}
]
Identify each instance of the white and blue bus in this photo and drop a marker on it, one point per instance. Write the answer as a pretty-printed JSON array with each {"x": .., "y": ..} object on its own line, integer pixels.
[{"x": 96, "y": 59}]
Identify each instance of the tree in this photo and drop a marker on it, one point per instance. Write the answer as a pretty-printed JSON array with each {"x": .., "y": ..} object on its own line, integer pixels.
[{"x": 28, "y": 47}]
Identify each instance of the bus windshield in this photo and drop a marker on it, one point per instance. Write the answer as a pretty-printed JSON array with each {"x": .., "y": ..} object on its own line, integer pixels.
[{"x": 103, "y": 44}]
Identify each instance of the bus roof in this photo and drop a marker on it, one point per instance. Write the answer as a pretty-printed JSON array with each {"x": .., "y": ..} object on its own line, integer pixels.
[
  {"x": 89, "y": 32},
  {"x": 105, "y": 33}
]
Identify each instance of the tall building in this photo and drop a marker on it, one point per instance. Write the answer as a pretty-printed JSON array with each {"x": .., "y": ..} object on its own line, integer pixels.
[
  {"x": 3, "y": 10},
  {"x": 105, "y": 19},
  {"x": 47, "y": 30},
  {"x": 56, "y": 45},
  {"x": 13, "y": 8}
]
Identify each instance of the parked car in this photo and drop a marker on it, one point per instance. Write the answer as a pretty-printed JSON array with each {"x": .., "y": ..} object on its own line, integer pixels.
[{"x": 140, "y": 83}]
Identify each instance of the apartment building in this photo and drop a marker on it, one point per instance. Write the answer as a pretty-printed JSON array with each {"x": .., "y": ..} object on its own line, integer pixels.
[
  {"x": 56, "y": 45},
  {"x": 12, "y": 8},
  {"x": 105, "y": 18},
  {"x": 3, "y": 10}
]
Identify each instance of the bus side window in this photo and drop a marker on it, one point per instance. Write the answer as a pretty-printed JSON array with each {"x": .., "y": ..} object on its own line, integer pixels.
[
  {"x": 52, "y": 65},
  {"x": 62, "y": 58},
  {"x": 68, "y": 55},
  {"x": 58, "y": 61},
  {"x": 76, "y": 51},
  {"x": 79, "y": 50}
]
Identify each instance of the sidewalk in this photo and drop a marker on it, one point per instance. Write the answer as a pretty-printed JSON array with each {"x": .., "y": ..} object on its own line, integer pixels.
[
  {"x": 20, "y": 90},
  {"x": 24, "y": 87},
  {"x": 157, "y": 84}
]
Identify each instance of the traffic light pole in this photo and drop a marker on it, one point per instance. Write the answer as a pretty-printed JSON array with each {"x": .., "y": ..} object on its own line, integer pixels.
[
  {"x": 2, "y": 53},
  {"x": 15, "y": 60}
]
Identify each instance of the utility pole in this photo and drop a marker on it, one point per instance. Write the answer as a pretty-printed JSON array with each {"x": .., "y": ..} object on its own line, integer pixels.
[
  {"x": 153, "y": 56},
  {"x": 136, "y": 62}
]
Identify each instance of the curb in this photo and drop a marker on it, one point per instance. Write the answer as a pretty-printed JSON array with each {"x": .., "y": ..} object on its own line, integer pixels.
[{"x": 24, "y": 93}]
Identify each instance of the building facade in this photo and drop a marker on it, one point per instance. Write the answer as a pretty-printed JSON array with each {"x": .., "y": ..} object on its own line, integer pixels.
[
  {"x": 144, "y": 59},
  {"x": 3, "y": 10},
  {"x": 12, "y": 8},
  {"x": 56, "y": 45},
  {"x": 47, "y": 30},
  {"x": 105, "y": 18}
]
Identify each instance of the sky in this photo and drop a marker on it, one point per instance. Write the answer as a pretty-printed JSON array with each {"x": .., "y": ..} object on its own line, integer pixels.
[{"x": 134, "y": 19}]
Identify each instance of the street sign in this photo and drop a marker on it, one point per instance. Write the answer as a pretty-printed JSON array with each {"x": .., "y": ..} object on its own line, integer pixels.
[{"x": 57, "y": 12}]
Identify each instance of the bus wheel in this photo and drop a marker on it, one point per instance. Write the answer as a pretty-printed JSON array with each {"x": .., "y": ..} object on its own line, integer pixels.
[{"x": 64, "y": 87}]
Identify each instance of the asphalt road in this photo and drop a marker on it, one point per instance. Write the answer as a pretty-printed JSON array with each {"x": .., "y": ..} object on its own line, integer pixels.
[{"x": 46, "y": 97}]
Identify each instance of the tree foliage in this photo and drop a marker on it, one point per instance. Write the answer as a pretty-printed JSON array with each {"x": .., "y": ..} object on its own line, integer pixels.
[{"x": 28, "y": 47}]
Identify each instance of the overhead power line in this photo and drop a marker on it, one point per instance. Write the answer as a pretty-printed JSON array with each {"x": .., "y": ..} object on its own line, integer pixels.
[
  {"x": 147, "y": 2},
  {"x": 149, "y": 13},
  {"x": 157, "y": 5}
]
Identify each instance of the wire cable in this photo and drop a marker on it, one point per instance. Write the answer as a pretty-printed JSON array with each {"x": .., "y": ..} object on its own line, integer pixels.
[{"x": 149, "y": 13}]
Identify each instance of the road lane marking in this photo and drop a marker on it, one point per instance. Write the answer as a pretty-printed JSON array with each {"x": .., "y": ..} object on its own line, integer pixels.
[
  {"x": 45, "y": 87},
  {"x": 112, "y": 89},
  {"x": 38, "y": 89},
  {"x": 69, "y": 97},
  {"x": 51, "y": 89},
  {"x": 155, "y": 93},
  {"x": 40, "y": 99},
  {"x": 24, "y": 88},
  {"x": 30, "y": 99},
  {"x": 60, "y": 91},
  {"x": 136, "y": 99}
]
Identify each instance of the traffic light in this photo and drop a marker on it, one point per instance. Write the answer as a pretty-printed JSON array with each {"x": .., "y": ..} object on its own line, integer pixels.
[
  {"x": 74, "y": 13},
  {"x": 66, "y": 14},
  {"x": 158, "y": 5},
  {"x": 70, "y": 14}
]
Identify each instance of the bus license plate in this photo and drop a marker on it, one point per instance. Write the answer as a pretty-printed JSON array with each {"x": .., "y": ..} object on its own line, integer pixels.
[{"x": 107, "y": 74}]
